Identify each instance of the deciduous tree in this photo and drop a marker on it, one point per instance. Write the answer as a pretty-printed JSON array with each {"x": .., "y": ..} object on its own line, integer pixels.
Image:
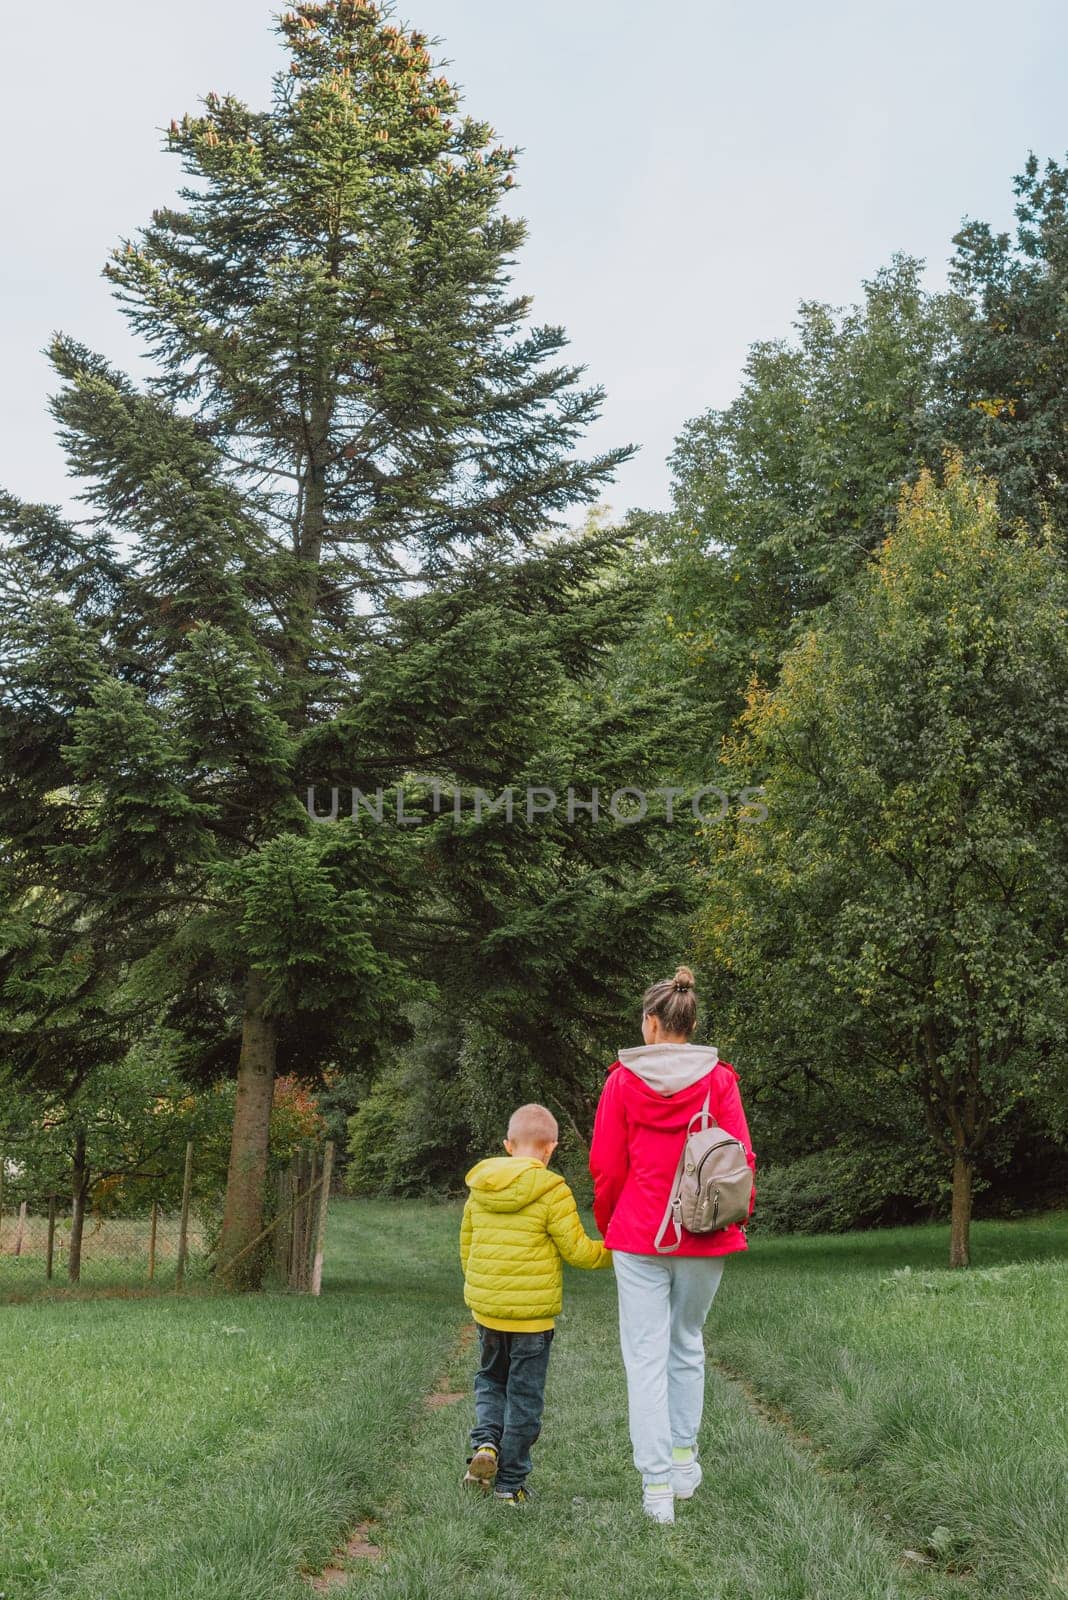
[{"x": 900, "y": 915}]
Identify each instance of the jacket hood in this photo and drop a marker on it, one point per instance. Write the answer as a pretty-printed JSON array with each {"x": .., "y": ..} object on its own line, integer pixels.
[
  {"x": 508, "y": 1183},
  {"x": 667, "y": 1068}
]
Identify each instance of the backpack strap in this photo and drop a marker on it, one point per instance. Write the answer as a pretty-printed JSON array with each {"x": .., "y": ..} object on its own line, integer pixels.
[
  {"x": 672, "y": 1213},
  {"x": 673, "y": 1210}
]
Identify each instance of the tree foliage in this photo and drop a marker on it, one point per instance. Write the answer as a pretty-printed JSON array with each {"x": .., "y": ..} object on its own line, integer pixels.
[
  {"x": 1005, "y": 377},
  {"x": 899, "y": 917},
  {"x": 325, "y": 545},
  {"x": 780, "y": 498}
]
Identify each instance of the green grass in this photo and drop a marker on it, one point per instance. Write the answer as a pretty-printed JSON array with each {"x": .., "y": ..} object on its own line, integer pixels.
[
  {"x": 207, "y": 1447},
  {"x": 942, "y": 1394}
]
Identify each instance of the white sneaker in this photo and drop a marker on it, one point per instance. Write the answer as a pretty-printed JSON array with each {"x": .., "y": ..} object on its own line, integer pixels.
[
  {"x": 658, "y": 1502},
  {"x": 685, "y": 1478}
]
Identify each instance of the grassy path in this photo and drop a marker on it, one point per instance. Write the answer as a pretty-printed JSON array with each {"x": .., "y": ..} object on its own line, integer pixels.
[
  {"x": 882, "y": 1427},
  {"x": 774, "y": 1527},
  {"x": 942, "y": 1395},
  {"x": 210, "y": 1448}
]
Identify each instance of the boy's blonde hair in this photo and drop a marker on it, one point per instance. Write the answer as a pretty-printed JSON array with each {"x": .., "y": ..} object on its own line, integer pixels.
[{"x": 533, "y": 1125}]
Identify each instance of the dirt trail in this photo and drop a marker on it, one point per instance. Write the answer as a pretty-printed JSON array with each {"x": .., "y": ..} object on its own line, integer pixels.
[{"x": 361, "y": 1544}]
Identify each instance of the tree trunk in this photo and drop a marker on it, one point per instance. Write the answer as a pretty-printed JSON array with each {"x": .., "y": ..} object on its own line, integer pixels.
[
  {"x": 243, "y": 1211},
  {"x": 300, "y": 621},
  {"x": 961, "y": 1213},
  {"x": 79, "y": 1193}
]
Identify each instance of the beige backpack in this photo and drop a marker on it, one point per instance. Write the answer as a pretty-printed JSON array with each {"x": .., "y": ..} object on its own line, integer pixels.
[{"x": 713, "y": 1182}]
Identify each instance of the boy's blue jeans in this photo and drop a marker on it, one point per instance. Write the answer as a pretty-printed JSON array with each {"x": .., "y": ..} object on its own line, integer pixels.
[{"x": 510, "y": 1398}]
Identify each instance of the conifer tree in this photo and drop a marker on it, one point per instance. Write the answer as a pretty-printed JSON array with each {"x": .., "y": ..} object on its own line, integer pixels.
[
  {"x": 318, "y": 552},
  {"x": 1005, "y": 380}
]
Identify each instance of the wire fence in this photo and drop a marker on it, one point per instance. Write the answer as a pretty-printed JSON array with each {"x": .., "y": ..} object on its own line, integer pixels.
[
  {"x": 44, "y": 1243},
  {"x": 115, "y": 1251},
  {"x": 60, "y": 1237}
]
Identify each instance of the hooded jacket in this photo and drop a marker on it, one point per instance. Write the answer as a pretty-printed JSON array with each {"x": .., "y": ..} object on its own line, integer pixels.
[
  {"x": 519, "y": 1221},
  {"x": 646, "y": 1104}
]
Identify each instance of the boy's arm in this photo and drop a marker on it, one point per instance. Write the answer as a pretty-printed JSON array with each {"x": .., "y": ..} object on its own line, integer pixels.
[
  {"x": 568, "y": 1234},
  {"x": 609, "y": 1161},
  {"x": 730, "y": 1115},
  {"x": 465, "y": 1235}
]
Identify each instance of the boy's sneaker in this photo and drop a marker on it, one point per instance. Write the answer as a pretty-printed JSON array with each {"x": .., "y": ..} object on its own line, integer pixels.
[
  {"x": 514, "y": 1497},
  {"x": 658, "y": 1502},
  {"x": 685, "y": 1478},
  {"x": 481, "y": 1468}
]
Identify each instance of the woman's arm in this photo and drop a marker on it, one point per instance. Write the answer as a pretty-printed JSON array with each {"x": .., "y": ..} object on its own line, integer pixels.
[{"x": 609, "y": 1156}]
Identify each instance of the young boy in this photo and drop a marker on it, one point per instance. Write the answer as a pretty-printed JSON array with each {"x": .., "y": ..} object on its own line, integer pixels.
[{"x": 519, "y": 1220}]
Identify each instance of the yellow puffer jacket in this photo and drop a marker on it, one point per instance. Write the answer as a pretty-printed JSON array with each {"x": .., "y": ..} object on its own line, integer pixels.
[{"x": 519, "y": 1220}]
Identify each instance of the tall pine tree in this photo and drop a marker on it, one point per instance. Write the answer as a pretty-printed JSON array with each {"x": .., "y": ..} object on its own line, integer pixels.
[{"x": 343, "y": 469}]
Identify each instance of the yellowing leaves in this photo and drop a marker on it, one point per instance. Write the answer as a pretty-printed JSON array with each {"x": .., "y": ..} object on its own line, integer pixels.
[{"x": 998, "y": 407}]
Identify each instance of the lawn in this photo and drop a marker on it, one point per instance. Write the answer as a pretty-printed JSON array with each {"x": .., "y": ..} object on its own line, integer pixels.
[
  {"x": 943, "y": 1394},
  {"x": 878, "y": 1428},
  {"x": 203, "y": 1446}
]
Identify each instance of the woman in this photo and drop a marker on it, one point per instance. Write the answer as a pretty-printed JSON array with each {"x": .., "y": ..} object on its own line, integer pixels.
[{"x": 645, "y": 1108}]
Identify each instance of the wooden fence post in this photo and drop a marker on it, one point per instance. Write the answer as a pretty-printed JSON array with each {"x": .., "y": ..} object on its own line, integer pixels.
[
  {"x": 320, "y": 1232},
  {"x": 299, "y": 1220},
  {"x": 309, "y": 1213},
  {"x": 152, "y": 1241},
  {"x": 298, "y": 1216},
  {"x": 20, "y": 1231},
  {"x": 263, "y": 1234},
  {"x": 50, "y": 1251},
  {"x": 294, "y": 1217},
  {"x": 296, "y": 1189},
  {"x": 79, "y": 1174},
  {"x": 280, "y": 1242},
  {"x": 183, "y": 1226}
]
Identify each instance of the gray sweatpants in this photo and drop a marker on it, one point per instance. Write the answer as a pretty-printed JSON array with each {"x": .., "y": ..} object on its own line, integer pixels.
[{"x": 663, "y": 1303}]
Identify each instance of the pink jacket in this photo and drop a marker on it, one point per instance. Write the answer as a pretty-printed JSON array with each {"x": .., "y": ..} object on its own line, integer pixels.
[{"x": 647, "y": 1101}]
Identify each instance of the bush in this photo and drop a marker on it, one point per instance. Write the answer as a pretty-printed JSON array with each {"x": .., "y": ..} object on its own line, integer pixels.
[
  {"x": 846, "y": 1186},
  {"x": 409, "y": 1136},
  {"x": 879, "y": 1182},
  {"x": 572, "y": 1161},
  {"x": 440, "y": 1104}
]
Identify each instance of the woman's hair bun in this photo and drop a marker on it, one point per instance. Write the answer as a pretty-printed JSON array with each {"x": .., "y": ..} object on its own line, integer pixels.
[{"x": 674, "y": 1002}]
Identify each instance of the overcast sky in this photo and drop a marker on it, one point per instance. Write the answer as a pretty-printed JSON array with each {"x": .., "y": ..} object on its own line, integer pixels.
[{"x": 690, "y": 171}]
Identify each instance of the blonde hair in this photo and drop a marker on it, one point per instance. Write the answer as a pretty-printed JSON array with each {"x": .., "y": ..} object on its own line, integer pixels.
[
  {"x": 533, "y": 1125},
  {"x": 673, "y": 1000}
]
